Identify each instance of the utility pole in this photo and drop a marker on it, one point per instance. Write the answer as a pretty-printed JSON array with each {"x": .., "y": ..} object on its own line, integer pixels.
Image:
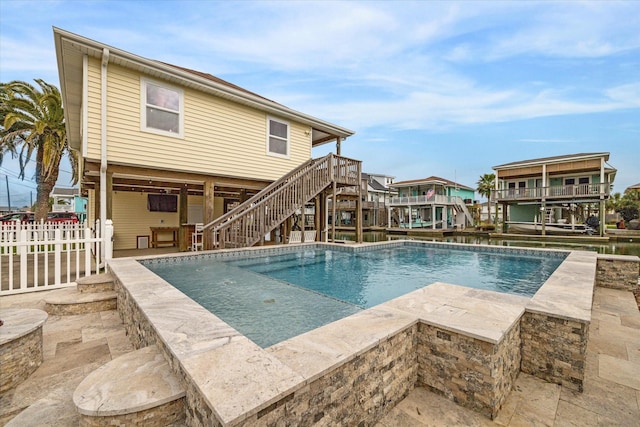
[{"x": 8, "y": 195}]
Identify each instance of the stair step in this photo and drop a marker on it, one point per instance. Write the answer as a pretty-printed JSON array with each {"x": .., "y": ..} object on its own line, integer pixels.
[
  {"x": 96, "y": 283},
  {"x": 137, "y": 388},
  {"x": 69, "y": 301}
]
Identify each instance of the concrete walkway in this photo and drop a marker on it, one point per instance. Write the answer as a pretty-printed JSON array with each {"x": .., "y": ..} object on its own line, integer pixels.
[{"x": 76, "y": 345}]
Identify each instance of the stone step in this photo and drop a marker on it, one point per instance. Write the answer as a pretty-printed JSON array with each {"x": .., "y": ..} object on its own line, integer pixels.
[
  {"x": 137, "y": 388},
  {"x": 69, "y": 301},
  {"x": 95, "y": 283}
]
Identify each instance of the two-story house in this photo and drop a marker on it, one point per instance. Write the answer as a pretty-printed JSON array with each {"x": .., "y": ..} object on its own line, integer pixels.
[
  {"x": 163, "y": 147},
  {"x": 375, "y": 195},
  {"x": 432, "y": 202},
  {"x": 555, "y": 194}
]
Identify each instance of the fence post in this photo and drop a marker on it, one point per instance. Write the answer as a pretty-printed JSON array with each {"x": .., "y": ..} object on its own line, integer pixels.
[
  {"x": 108, "y": 240},
  {"x": 57, "y": 246},
  {"x": 22, "y": 252}
]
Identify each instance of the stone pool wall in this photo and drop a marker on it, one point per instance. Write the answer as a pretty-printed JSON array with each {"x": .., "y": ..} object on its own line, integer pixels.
[
  {"x": 473, "y": 373},
  {"x": 357, "y": 392},
  {"x": 554, "y": 349},
  {"x": 464, "y": 343},
  {"x": 619, "y": 272},
  {"x": 555, "y": 326}
]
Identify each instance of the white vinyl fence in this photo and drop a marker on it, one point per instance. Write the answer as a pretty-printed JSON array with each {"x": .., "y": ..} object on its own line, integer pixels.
[{"x": 42, "y": 256}]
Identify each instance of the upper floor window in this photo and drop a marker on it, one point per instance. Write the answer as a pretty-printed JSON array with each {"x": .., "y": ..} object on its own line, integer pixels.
[
  {"x": 278, "y": 139},
  {"x": 162, "y": 108}
]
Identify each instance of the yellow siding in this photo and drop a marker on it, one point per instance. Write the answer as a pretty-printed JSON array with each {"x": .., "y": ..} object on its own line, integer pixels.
[
  {"x": 131, "y": 218},
  {"x": 220, "y": 137},
  {"x": 93, "y": 117}
]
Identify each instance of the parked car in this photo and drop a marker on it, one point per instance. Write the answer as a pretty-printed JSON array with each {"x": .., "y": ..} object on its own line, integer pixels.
[
  {"x": 23, "y": 217},
  {"x": 58, "y": 217}
]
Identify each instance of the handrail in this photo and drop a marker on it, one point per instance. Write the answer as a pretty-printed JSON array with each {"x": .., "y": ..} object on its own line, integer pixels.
[
  {"x": 260, "y": 194},
  {"x": 248, "y": 222}
]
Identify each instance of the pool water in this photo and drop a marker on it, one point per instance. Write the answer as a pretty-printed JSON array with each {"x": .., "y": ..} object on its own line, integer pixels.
[{"x": 273, "y": 298}]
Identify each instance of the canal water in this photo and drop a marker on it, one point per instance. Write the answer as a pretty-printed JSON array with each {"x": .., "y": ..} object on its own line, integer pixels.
[{"x": 611, "y": 247}]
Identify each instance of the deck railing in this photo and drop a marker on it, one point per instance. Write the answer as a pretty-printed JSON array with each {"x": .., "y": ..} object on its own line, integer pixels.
[
  {"x": 577, "y": 191},
  {"x": 247, "y": 224},
  {"x": 39, "y": 256}
]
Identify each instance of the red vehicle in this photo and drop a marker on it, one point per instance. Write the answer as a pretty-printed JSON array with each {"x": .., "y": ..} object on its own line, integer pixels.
[
  {"x": 23, "y": 217},
  {"x": 57, "y": 217}
]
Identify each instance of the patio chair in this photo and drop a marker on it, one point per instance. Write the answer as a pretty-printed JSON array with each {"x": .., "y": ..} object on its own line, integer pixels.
[
  {"x": 295, "y": 237},
  {"x": 196, "y": 238}
]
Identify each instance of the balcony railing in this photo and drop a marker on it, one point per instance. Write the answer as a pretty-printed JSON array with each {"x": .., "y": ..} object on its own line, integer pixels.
[
  {"x": 420, "y": 200},
  {"x": 577, "y": 191}
]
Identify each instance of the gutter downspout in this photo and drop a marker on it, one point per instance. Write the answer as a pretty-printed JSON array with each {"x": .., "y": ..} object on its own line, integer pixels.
[
  {"x": 543, "y": 203},
  {"x": 602, "y": 189},
  {"x": 103, "y": 145}
]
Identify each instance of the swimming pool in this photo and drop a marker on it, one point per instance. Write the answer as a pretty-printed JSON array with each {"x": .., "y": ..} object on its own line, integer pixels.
[{"x": 281, "y": 294}]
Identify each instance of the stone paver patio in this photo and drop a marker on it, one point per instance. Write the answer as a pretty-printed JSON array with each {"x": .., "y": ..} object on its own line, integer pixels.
[{"x": 76, "y": 345}]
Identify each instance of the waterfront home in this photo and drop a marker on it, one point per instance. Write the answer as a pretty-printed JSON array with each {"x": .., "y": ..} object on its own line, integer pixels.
[
  {"x": 433, "y": 202},
  {"x": 163, "y": 147},
  {"x": 555, "y": 194},
  {"x": 376, "y": 194}
]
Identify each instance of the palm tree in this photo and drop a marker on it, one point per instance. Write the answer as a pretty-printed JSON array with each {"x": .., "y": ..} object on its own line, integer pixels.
[
  {"x": 32, "y": 122},
  {"x": 613, "y": 202},
  {"x": 486, "y": 184}
]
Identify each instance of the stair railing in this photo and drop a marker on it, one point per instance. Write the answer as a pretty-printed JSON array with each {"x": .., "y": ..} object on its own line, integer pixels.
[{"x": 249, "y": 222}]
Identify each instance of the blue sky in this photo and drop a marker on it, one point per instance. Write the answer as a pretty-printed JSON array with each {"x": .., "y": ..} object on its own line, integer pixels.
[{"x": 431, "y": 88}]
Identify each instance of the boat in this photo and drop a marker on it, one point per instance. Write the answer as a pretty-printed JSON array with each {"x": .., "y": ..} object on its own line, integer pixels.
[{"x": 549, "y": 228}]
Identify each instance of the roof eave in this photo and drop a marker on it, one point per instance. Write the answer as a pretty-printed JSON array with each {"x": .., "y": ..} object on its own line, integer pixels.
[
  {"x": 560, "y": 159},
  {"x": 172, "y": 73}
]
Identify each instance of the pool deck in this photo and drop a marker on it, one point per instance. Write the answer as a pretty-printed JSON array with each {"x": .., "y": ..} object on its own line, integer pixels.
[{"x": 74, "y": 346}]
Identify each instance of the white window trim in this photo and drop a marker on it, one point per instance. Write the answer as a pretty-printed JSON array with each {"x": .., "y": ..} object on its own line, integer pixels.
[
  {"x": 143, "y": 108},
  {"x": 270, "y": 153},
  {"x": 576, "y": 178}
]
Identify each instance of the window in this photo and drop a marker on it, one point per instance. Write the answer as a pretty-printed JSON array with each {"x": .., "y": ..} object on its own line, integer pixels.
[
  {"x": 162, "y": 109},
  {"x": 278, "y": 141}
]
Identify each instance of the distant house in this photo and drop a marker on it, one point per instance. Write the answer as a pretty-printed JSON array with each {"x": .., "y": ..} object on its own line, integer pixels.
[
  {"x": 432, "y": 202},
  {"x": 554, "y": 194},
  {"x": 69, "y": 200},
  {"x": 376, "y": 194},
  {"x": 633, "y": 187},
  {"x": 484, "y": 215},
  {"x": 163, "y": 147}
]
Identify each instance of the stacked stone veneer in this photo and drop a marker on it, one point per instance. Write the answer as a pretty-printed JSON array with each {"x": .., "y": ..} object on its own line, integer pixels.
[
  {"x": 555, "y": 326},
  {"x": 81, "y": 307},
  {"x": 357, "y": 392},
  {"x": 19, "y": 358},
  {"x": 20, "y": 345},
  {"x": 164, "y": 415},
  {"x": 619, "y": 272},
  {"x": 554, "y": 349},
  {"x": 473, "y": 373}
]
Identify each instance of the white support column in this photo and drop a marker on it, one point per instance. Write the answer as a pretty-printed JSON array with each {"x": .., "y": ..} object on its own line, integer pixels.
[
  {"x": 103, "y": 142},
  {"x": 108, "y": 240}
]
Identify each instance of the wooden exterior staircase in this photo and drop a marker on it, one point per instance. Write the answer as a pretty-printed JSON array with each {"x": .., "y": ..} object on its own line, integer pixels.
[{"x": 249, "y": 222}]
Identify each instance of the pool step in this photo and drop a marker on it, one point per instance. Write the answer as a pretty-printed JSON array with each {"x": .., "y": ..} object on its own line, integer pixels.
[
  {"x": 92, "y": 294},
  {"x": 137, "y": 388},
  {"x": 95, "y": 283}
]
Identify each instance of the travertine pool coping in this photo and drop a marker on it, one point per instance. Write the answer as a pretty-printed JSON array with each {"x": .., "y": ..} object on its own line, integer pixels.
[{"x": 199, "y": 343}]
